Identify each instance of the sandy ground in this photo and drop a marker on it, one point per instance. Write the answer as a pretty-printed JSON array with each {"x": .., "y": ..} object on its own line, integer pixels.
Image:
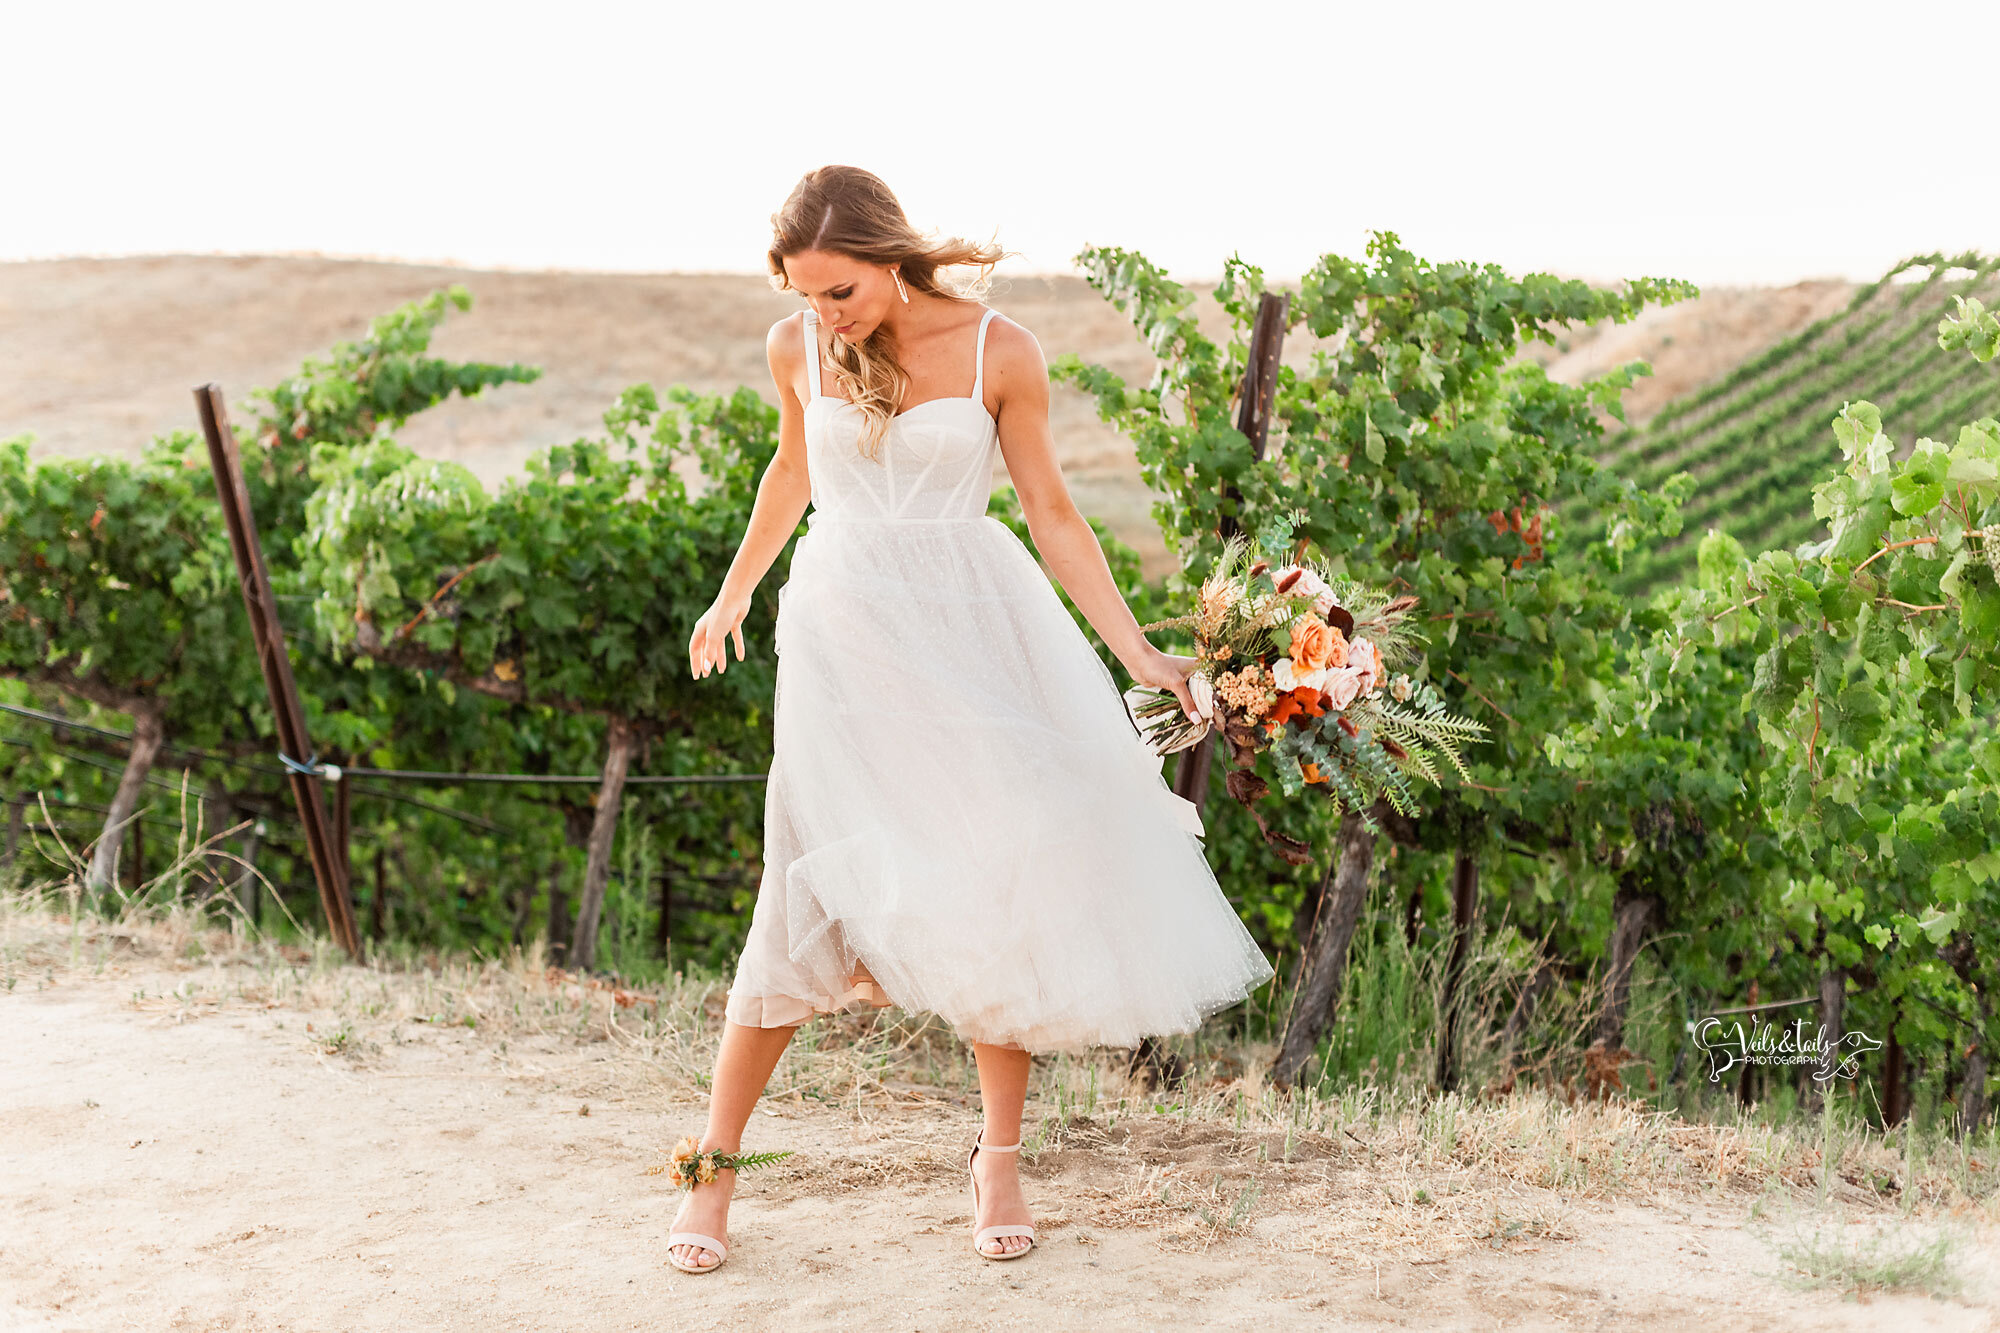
[
  {"x": 221, "y": 1166},
  {"x": 102, "y": 353}
]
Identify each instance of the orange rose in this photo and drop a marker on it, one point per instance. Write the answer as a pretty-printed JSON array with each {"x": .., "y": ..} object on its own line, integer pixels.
[{"x": 1315, "y": 645}]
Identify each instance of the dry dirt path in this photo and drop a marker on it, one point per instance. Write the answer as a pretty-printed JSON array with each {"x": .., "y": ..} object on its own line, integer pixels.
[{"x": 217, "y": 1168}]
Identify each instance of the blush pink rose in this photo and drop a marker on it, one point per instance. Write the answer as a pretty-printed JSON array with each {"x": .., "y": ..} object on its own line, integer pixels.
[
  {"x": 1365, "y": 658},
  {"x": 1343, "y": 686}
]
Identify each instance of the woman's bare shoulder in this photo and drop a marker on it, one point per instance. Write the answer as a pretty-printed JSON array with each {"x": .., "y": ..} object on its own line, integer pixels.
[
  {"x": 1012, "y": 352},
  {"x": 787, "y": 334},
  {"x": 784, "y": 347}
]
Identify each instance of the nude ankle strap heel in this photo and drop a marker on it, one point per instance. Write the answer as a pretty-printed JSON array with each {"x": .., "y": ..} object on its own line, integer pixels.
[{"x": 984, "y": 1234}]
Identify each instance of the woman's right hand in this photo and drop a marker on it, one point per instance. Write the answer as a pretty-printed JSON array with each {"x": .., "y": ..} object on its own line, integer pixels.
[{"x": 710, "y": 645}]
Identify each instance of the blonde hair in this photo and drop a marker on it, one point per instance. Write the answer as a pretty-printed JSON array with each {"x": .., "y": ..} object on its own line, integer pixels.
[{"x": 849, "y": 211}]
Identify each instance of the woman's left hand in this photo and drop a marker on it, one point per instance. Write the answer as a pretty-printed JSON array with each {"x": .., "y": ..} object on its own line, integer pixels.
[{"x": 1170, "y": 671}]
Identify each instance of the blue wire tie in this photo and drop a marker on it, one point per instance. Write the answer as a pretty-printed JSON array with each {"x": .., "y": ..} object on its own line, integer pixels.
[{"x": 311, "y": 768}]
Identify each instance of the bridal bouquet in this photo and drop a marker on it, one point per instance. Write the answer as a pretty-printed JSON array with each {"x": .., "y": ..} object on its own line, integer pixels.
[{"x": 1307, "y": 667}]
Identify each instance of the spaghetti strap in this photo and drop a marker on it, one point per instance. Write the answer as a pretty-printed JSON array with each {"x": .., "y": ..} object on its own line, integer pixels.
[
  {"x": 979, "y": 361},
  {"x": 812, "y": 356}
]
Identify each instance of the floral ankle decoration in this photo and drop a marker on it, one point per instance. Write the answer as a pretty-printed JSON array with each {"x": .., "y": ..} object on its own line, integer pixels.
[{"x": 690, "y": 1165}]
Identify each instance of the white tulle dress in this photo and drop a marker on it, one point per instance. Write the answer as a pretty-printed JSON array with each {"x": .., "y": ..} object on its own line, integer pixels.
[{"x": 960, "y": 816}]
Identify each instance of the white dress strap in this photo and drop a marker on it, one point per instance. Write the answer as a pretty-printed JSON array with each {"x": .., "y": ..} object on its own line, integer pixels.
[
  {"x": 979, "y": 361},
  {"x": 812, "y": 356}
]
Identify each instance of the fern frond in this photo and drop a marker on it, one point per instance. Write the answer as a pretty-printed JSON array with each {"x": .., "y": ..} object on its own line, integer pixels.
[{"x": 1419, "y": 759}]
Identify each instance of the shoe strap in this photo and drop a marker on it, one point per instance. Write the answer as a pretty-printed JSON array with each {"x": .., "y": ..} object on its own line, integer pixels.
[
  {"x": 696, "y": 1238},
  {"x": 985, "y": 1234},
  {"x": 996, "y": 1147}
]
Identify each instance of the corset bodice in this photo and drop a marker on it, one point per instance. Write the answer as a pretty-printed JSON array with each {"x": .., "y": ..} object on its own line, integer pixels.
[{"x": 934, "y": 465}]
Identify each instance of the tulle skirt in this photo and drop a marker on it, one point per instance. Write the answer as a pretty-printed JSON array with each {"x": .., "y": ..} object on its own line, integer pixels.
[{"x": 960, "y": 817}]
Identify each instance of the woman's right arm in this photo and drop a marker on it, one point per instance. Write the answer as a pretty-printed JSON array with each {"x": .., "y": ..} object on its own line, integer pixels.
[{"x": 782, "y": 496}]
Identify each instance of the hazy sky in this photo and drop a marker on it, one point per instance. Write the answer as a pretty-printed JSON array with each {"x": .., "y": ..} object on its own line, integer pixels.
[{"x": 1747, "y": 141}]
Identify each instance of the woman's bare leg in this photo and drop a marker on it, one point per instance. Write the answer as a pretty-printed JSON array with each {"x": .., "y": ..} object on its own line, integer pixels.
[
  {"x": 1003, "y": 1087},
  {"x": 743, "y": 1066}
]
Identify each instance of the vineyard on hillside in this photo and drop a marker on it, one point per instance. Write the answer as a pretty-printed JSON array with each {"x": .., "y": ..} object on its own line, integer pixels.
[{"x": 1756, "y": 440}]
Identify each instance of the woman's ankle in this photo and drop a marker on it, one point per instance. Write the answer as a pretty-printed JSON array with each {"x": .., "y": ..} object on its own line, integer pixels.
[{"x": 710, "y": 1193}]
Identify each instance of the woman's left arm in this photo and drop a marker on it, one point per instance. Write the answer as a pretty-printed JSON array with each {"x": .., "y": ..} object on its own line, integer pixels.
[{"x": 1020, "y": 375}]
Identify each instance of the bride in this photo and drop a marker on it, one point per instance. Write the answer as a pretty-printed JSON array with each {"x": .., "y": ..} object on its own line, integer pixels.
[{"x": 960, "y": 817}]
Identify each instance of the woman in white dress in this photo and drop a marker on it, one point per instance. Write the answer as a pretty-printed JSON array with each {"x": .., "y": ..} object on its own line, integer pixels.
[{"x": 960, "y": 817}]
